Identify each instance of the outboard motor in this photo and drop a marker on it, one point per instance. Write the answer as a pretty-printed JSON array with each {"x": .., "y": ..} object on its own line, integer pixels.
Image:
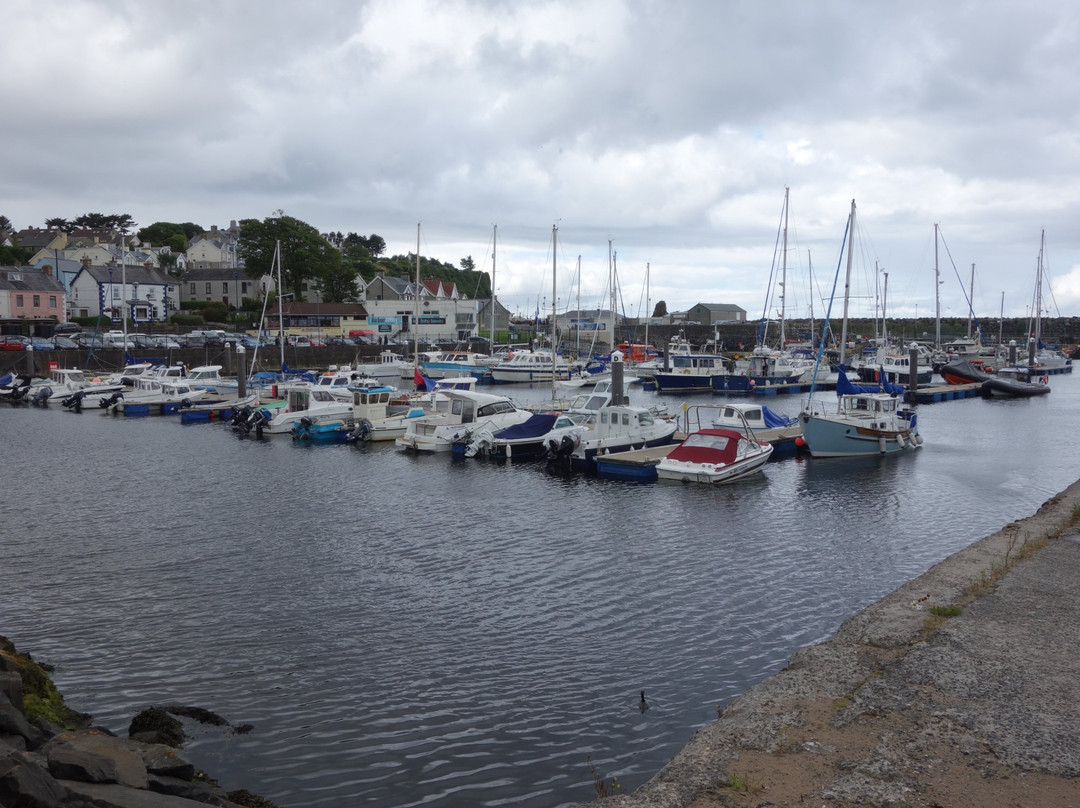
[
  {"x": 107, "y": 401},
  {"x": 41, "y": 397},
  {"x": 301, "y": 431},
  {"x": 240, "y": 417},
  {"x": 258, "y": 421},
  {"x": 480, "y": 444},
  {"x": 359, "y": 432},
  {"x": 74, "y": 401},
  {"x": 558, "y": 455}
]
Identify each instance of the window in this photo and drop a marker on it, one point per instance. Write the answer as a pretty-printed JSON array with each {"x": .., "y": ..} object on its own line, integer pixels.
[
  {"x": 243, "y": 287},
  {"x": 52, "y": 301},
  {"x": 192, "y": 290},
  {"x": 18, "y": 300},
  {"x": 37, "y": 301},
  {"x": 115, "y": 293},
  {"x": 224, "y": 287},
  {"x": 208, "y": 288}
]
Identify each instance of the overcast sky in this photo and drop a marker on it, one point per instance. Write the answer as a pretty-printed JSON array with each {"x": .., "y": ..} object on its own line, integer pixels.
[{"x": 669, "y": 128}]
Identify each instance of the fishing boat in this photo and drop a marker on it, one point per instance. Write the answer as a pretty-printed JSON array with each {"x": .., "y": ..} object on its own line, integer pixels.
[
  {"x": 714, "y": 456},
  {"x": 864, "y": 420},
  {"x": 614, "y": 429},
  {"x": 861, "y": 423}
]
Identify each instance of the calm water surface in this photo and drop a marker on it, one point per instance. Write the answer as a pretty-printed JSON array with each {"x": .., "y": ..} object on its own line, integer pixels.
[{"x": 409, "y": 630}]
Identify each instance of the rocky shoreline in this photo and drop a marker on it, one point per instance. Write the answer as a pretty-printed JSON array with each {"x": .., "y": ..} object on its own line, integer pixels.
[
  {"x": 959, "y": 689},
  {"x": 52, "y": 757}
]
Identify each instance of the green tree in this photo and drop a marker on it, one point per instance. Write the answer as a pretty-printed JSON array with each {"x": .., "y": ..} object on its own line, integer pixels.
[
  {"x": 305, "y": 254},
  {"x": 171, "y": 234},
  {"x": 661, "y": 309},
  {"x": 5, "y": 225},
  {"x": 467, "y": 264},
  {"x": 58, "y": 224}
]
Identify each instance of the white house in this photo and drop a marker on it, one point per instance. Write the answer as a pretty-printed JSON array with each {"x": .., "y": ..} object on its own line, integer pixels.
[{"x": 148, "y": 295}]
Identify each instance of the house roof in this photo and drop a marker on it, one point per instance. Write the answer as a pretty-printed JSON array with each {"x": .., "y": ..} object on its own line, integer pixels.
[
  {"x": 719, "y": 307},
  {"x": 35, "y": 238},
  {"x": 214, "y": 274},
  {"x": 28, "y": 279},
  {"x": 132, "y": 273}
]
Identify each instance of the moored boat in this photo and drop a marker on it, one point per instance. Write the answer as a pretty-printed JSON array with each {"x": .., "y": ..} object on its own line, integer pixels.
[{"x": 714, "y": 456}]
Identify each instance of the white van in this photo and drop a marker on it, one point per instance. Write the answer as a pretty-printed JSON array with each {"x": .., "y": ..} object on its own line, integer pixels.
[{"x": 115, "y": 339}]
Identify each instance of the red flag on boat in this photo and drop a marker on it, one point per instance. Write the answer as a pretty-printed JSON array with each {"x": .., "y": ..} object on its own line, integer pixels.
[{"x": 418, "y": 377}]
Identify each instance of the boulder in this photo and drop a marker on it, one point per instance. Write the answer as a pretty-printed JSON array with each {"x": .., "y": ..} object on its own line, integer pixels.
[
  {"x": 91, "y": 757},
  {"x": 25, "y": 784}
]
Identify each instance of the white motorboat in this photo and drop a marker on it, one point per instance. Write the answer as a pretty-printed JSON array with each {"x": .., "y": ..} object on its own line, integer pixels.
[
  {"x": 714, "y": 456},
  {"x": 458, "y": 413}
]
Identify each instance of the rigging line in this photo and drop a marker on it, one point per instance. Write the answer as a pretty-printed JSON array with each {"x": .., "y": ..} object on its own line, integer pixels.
[
  {"x": 967, "y": 295},
  {"x": 828, "y": 311},
  {"x": 762, "y": 326}
]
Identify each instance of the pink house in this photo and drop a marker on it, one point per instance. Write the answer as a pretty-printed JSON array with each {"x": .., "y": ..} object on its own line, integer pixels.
[{"x": 31, "y": 294}]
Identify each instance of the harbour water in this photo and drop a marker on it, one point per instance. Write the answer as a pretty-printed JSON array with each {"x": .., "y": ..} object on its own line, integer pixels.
[{"x": 406, "y": 630}]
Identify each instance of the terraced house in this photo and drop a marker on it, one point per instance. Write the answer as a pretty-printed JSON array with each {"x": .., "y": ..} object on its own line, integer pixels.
[{"x": 28, "y": 293}]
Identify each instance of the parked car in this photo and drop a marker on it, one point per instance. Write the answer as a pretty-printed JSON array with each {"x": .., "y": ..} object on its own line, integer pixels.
[
  {"x": 141, "y": 340},
  {"x": 42, "y": 344},
  {"x": 298, "y": 341},
  {"x": 67, "y": 328},
  {"x": 13, "y": 342},
  {"x": 163, "y": 341},
  {"x": 65, "y": 343}
]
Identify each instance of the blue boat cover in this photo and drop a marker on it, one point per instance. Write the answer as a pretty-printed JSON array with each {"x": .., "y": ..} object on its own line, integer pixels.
[
  {"x": 844, "y": 386},
  {"x": 538, "y": 425},
  {"x": 773, "y": 420}
]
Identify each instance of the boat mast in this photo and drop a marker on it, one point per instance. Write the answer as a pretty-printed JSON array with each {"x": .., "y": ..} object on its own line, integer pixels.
[
  {"x": 494, "y": 250},
  {"x": 611, "y": 282},
  {"x": 847, "y": 280},
  {"x": 884, "y": 304},
  {"x": 937, "y": 294},
  {"x": 1038, "y": 295},
  {"x": 416, "y": 308},
  {"x": 971, "y": 302},
  {"x": 280, "y": 302},
  {"x": 783, "y": 272},
  {"x": 554, "y": 264},
  {"x": 648, "y": 313},
  {"x": 123, "y": 284},
  {"x": 577, "y": 331},
  {"x": 810, "y": 266}
]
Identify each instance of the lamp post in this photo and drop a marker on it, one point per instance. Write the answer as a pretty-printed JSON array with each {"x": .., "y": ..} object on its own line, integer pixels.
[{"x": 236, "y": 286}]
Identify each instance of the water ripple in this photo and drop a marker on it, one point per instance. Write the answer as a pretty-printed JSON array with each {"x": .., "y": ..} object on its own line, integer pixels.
[{"x": 418, "y": 631}]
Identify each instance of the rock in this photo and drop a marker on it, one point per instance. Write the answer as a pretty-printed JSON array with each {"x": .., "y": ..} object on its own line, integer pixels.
[
  {"x": 198, "y": 791},
  {"x": 13, "y": 722},
  {"x": 116, "y": 796},
  {"x": 155, "y": 725},
  {"x": 90, "y": 757},
  {"x": 11, "y": 685},
  {"x": 25, "y": 784}
]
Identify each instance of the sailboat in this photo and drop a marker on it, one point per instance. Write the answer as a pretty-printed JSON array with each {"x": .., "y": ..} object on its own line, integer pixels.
[
  {"x": 537, "y": 365},
  {"x": 865, "y": 421}
]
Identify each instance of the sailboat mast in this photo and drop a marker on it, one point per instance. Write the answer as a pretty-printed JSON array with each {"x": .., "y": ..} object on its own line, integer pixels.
[
  {"x": 416, "y": 308},
  {"x": 810, "y": 266},
  {"x": 937, "y": 293},
  {"x": 577, "y": 331},
  {"x": 648, "y": 311},
  {"x": 280, "y": 303},
  {"x": 783, "y": 271},
  {"x": 884, "y": 304},
  {"x": 494, "y": 250},
  {"x": 611, "y": 289},
  {"x": 847, "y": 280},
  {"x": 1038, "y": 292},
  {"x": 554, "y": 310},
  {"x": 971, "y": 301}
]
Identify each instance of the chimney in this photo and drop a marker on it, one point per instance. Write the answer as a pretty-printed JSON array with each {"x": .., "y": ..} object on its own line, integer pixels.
[
  {"x": 85, "y": 261},
  {"x": 47, "y": 270},
  {"x": 213, "y": 228}
]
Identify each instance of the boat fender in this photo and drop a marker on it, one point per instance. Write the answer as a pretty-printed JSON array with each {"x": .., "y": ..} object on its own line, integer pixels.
[{"x": 881, "y": 444}]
